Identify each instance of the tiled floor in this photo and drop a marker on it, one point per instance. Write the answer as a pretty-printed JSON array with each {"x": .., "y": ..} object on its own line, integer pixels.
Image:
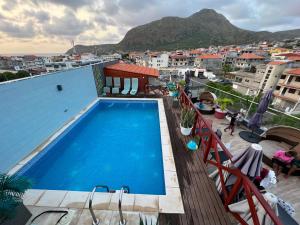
[{"x": 83, "y": 217}]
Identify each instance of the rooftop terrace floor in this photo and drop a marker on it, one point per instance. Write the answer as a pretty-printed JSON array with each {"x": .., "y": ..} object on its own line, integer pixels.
[
  {"x": 287, "y": 189},
  {"x": 201, "y": 201}
]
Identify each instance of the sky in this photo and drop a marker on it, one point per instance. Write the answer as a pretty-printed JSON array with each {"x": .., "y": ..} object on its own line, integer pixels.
[{"x": 49, "y": 26}]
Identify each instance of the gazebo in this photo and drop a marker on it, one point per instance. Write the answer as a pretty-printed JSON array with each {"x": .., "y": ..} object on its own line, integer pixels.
[{"x": 123, "y": 70}]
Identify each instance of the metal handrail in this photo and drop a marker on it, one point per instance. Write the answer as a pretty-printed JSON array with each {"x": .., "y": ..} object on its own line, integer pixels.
[
  {"x": 95, "y": 220},
  {"x": 124, "y": 189}
]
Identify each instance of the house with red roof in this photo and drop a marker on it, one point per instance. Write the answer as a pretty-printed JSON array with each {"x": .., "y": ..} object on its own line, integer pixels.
[
  {"x": 287, "y": 93},
  {"x": 123, "y": 70},
  {"x": 246, "y": 60},
  {"x": 210, "y": 62}
]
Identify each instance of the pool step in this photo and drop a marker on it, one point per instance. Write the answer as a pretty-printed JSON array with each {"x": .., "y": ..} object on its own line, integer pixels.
[{"x": 124, "y": 189}]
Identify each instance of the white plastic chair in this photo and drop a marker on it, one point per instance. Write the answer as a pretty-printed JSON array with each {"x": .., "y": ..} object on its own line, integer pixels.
[
  {"x": 117, "y": 85},
  {"x": 135, "y": 86},
  {"x": 126, "y": 86}
]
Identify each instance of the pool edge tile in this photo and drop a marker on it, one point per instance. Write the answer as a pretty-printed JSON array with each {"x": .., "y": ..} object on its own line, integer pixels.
[
  {"x": 32, "y": 196},
  {"x": 75, "y": 199},
  {"x": 51, "y": 198},
  {"x": 101, "y": 201},
  {"x": 146, "y": 203},
  {"x": 172, "y": 202}
]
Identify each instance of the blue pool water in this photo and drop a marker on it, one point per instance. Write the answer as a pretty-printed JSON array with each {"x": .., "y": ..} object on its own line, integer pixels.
[{"x": 115, "y": 143}]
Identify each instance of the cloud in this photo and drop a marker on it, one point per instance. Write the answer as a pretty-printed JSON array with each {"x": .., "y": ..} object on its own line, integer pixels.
[
  {"x": 107, "y": 21},
  {"x": 74, "y": 4},
  {"x": 68, "y": 25},
  {"x": 40, "y": 16},
  {"x": 9, "y": 4},
  {"x": 16, "y": 30}
]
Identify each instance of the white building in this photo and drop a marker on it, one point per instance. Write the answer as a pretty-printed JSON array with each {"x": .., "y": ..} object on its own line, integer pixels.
[
  {"x": 272, "y": 75},
  {"x": 158, "y": 61},
  {"x": 111, "y": 57}
]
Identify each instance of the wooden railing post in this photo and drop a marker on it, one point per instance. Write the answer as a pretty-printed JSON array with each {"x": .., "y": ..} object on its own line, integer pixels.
[{"x": 243, "y": 181}]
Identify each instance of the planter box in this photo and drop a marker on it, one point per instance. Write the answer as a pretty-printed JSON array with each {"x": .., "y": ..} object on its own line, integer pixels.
[
  {"x": 185, "y": 131},
  {"x": 21, "y": 218},
  {"x": 219, "y": 114}
]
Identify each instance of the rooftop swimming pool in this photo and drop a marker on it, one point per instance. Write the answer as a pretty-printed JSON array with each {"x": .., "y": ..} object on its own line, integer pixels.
[{"x": 115, "y": 143}]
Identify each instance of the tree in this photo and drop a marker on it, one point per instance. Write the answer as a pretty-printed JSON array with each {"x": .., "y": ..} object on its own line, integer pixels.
[
  {"x": 22, "y": 74},
  {"x": 226, "y": 69}
]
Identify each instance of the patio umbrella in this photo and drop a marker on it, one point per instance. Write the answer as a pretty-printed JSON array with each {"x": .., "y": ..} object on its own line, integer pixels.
[
  {"x": 249, "y": 161},
  {"x": 256, "y": 121}
]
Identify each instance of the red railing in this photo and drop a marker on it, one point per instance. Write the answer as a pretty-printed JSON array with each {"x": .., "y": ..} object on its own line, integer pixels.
[{"x": 211, "y": 143}]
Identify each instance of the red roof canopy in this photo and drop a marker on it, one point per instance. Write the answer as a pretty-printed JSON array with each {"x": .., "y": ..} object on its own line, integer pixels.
[
  {"x": 294, "y": 58},
  {"x": 294, "y": 72},
  {"x": 288, "y": 54},
  {"x": 210, "y": 56},
  {"x": 276, "y": 63},
  {"x": 142, "y": 70},
  {"x": 250, "y": 56}
]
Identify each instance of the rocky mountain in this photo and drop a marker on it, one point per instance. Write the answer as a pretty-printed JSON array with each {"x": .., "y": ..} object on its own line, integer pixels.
[{"x": 204, "y": 28}]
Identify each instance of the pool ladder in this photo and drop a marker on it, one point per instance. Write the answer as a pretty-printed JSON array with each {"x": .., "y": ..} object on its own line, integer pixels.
[{"x": 124, "y": 189}]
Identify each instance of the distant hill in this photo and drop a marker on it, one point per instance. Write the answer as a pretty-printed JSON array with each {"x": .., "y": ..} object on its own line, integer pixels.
[{"x": 204, "y": 28}]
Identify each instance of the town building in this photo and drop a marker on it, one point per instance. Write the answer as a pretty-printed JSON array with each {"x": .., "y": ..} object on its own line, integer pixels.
[
  {"x": 287, "y": 93},
  {"x": 247, "y": 60},
  {"x": 105, "y": 58},
  {"x": 272, "y": 74},
  {"x": 179, "y": 60},
  {"x": 229, "y": 58},
  {"x": 158, "y": 61},
  {"x": 248, "y": 83},
  {"x": 210, "y": 62}
]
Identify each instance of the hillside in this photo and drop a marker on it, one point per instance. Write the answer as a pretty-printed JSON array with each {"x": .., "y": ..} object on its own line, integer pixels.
[{"x": 204, "y": 28}]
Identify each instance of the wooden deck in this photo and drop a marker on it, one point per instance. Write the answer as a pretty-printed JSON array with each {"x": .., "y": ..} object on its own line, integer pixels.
[{"x": 202, "y": 203}]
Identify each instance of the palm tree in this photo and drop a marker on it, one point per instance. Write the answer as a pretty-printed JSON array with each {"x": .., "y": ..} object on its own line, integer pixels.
[{"x": 12, "y": 189}]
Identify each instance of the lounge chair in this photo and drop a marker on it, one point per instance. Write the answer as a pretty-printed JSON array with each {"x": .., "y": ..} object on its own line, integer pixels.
[
  {"x": 108, "y": 84},
  {"x": 117, "y": 85},
  {"x": 135, "y": 86},
  {"x": 126, "y": 86}
]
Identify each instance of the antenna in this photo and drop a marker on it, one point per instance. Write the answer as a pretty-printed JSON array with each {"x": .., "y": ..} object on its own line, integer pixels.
[{"x": 73, "y": 46}]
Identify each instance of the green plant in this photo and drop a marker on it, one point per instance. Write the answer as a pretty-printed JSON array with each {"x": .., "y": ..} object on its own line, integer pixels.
[
  {"x": 12, "y": 189},
  {"x": 171, "y": 86},
  {"x": 181, "y": 83},
  {"x": 224, "y": 103},
  {"x": 226, "y": 69},
  {"x": 146, "y": 223},
  {"x": 187, "y": 117}
]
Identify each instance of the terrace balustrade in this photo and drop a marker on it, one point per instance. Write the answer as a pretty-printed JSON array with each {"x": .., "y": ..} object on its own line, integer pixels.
[{"x": 211, "y": 143}]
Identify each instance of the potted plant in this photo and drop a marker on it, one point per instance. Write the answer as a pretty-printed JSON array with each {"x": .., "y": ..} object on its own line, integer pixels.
[
  {"x": 172, "y": 89},
  {"x": 187, "y": 120},
  {"x": 12, "y": 210},
  {"x": 181, "y": 84},
  {"x": 223, "y": 103}
]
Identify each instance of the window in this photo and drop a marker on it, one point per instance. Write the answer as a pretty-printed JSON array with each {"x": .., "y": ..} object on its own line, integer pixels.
[
  {"x": 283, "y": 77},
  {"x": 277, "y": 88},
  {"x": 297, "y": 79},
  {"x": 292, "y": 91}
]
